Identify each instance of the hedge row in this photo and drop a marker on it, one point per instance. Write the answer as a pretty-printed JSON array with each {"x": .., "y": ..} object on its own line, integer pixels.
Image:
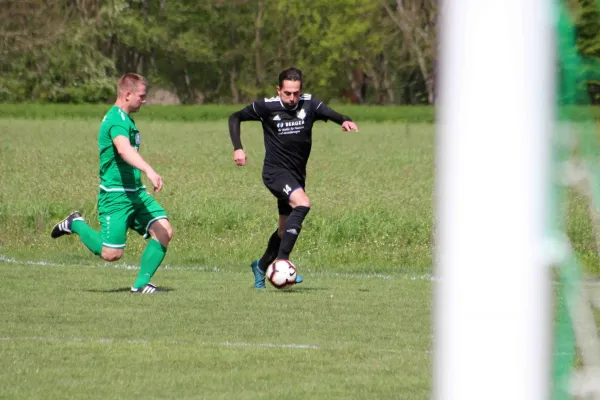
[
  {"x": 212, "y": 112},
  {"x": 413, "y": 114}
]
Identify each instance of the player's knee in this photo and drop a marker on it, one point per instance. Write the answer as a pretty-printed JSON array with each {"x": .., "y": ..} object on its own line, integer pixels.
[
  {"x": 301, "y": 201},
  {"x": 304, "y": 203},
  {"x": 169, "y": 233},
  {"x": 162, "y": 232},
  {"x": 111, "y": 255},
  {"x": 299, "y": 198}
]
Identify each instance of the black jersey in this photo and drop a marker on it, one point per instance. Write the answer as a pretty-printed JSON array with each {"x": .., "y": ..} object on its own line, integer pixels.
[{"x": 287, "y": 131}]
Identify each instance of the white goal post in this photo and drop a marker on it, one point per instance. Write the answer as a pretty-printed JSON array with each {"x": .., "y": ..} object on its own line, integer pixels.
[{"x": 492, "y": 318}]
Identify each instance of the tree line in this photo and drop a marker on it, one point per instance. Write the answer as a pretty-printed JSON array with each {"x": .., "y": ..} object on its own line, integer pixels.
[{"x": 228, "y": 51}]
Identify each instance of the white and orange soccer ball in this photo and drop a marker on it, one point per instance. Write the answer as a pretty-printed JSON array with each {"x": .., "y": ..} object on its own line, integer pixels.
[{"x": 281, "y": 273}]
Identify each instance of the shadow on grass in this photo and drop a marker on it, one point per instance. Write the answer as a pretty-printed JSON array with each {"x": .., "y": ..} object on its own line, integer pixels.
[
  {"x": 297, "y": 290},
  {"x": 161, "y": 289}
]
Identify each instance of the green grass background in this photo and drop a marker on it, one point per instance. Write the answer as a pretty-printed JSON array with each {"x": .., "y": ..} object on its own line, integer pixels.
[
  {"x": 359, "y": 327},
  {"x": 370, "y": 193}
]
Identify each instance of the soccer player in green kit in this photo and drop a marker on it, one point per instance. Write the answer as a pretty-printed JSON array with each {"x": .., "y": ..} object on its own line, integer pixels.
[{"x": 123, "y": 202}]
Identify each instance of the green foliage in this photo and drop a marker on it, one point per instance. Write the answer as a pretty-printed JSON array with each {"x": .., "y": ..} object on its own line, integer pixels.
[
  {"x": 69, "y": 70},
  {"x": 586, "y": 36},
  {"x": 211, "y": 51},
  {"x": 215, "y": 51}
]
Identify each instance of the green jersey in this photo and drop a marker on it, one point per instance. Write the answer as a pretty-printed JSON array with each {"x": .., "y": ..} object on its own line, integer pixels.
[{"x": 116, "y": 175}]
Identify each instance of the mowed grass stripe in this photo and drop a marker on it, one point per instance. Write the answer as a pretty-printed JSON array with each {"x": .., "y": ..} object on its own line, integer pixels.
[{"x": 210, "y": 336}]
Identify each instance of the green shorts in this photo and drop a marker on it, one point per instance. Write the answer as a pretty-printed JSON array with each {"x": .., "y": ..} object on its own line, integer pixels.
[{"x": 119, "y": 211}]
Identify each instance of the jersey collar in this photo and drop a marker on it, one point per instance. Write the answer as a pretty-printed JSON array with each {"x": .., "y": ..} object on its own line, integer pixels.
[{"x": 285, "y": 108}]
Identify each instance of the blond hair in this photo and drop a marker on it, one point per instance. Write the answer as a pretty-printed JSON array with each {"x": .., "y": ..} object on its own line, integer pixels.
[{"x": 130, "y": 82}]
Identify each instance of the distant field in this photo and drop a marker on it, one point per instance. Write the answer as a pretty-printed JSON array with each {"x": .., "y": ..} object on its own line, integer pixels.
[
  {"x": 359, "y": 327},
  {"x": 371, "y": 194},
  {"x": 209, "y": 112}
]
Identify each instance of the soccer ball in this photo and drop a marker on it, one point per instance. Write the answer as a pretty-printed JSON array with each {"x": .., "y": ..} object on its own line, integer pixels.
[{"x": 281, "y": 273}]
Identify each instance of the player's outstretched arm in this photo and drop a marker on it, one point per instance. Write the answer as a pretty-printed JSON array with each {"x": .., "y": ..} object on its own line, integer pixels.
[
  {"x": 133, "y": 158},
  {"x": 326, "y": 113}
]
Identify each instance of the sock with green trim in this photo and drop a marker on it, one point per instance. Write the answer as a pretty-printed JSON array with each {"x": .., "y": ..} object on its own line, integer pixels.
[
  {"x": 89, "y": 237},
  {"x": 151, "y": 259}
]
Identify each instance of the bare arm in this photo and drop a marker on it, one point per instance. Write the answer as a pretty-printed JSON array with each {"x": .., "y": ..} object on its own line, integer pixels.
[
  {"x": 133, "y": 158},
  {"x": 130, "y": 155}
]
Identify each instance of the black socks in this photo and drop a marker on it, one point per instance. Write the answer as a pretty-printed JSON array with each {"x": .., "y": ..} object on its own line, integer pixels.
[{"x": 293, "y": 225}]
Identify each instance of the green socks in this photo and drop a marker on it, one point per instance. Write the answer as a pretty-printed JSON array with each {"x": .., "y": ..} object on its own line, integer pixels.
[
  {"x": 89, "y": 237},
  {"x": 151, "y": 259}
]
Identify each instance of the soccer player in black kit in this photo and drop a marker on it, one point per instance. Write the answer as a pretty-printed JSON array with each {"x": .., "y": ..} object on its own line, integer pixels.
[{"x": 287, "y": 122}]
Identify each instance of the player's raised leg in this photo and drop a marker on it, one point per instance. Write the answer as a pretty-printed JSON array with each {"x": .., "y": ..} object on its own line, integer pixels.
[
  {"x": 108, "y": 243},
  {"x": 74, "y": 223}
]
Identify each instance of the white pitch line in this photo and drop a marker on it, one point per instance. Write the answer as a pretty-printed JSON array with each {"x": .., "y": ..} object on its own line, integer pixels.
[
  {"x": 250, "y": 345},
  {"x": 44, "y": 263},
  {"x": 144, "y": 341},
  {"x": 293, "y": 346},
  {"x": 71, "y": 340},
  {"x": 343, "y": 275},
  {"x": 347, "y": 275},
  {"x": 270, "y": 345}
]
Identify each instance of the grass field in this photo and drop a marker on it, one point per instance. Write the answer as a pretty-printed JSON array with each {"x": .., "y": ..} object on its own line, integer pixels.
[{"x": 359, "y": 327}]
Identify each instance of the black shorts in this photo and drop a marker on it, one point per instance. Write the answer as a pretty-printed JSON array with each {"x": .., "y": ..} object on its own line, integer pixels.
[{"x": 282, "y": 183}]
